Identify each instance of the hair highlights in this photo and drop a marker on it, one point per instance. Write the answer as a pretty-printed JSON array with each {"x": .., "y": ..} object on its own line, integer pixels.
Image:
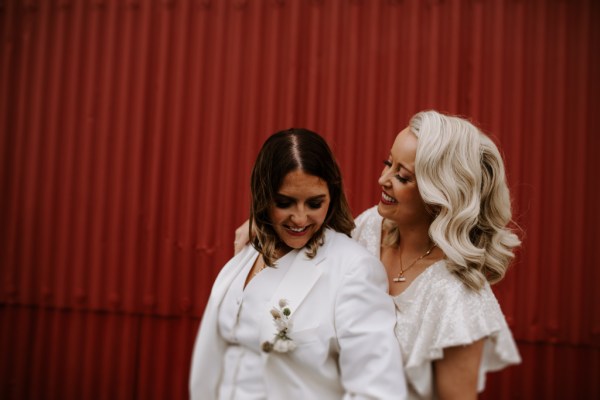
[{"x": 284, "y": 152}]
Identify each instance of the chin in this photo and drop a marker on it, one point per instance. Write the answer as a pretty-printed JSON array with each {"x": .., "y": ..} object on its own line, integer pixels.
[
  {"x": 298, "y": 244},
  {"x": 381, "y": 209},
  {"x": 292, "y": 243}
]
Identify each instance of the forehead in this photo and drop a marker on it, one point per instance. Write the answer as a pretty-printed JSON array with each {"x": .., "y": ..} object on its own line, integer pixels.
[
  {"x": 299, "y": 183},
  {"x": 404, "y": 149}
]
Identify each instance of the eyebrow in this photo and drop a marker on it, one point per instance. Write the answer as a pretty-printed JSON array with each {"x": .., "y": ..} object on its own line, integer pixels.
[
  {"x": 318, "y": 197},
  {"x": 412, "y": 173},
  {"x": 402, "y": 165}
]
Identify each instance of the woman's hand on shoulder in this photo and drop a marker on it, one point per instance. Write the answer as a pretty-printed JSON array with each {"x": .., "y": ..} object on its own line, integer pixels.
[{"x": 242, "y": 237}]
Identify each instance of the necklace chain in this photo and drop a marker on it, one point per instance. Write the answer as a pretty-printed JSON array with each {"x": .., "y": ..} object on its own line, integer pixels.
[
  {"x": 400, "y": 278},
  {"x": 261, "y": 266}
]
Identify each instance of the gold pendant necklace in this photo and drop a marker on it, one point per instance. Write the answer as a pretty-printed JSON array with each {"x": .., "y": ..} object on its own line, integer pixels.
[
  {"x": 400, "y": 278},
  {"x": 259, "y": 267}
]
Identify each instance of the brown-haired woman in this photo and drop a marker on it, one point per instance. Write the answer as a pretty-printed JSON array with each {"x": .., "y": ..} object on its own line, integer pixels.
[{"x": 302, "y": 312}]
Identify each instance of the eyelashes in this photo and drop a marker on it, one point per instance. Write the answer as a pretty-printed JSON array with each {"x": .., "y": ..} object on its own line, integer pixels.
[
  {"x": 313, "y": 205},
  {"x": 282, "y": 204},
  {"x": 400, "y": 178}
]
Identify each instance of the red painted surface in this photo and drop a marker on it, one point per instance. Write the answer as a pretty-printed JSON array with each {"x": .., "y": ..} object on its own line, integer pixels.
[{"x": 128, "y": 129}]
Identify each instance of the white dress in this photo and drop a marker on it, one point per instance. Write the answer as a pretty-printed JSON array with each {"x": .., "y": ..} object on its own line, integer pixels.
[{"x": 437, "y": 311}]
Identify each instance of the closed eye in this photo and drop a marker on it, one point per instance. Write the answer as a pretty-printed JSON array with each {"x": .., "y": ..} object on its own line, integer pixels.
[
  {"x": 315, "y": 205},
  {"x": 400, "y": 178},
  {"x": 283, "y": 204}
]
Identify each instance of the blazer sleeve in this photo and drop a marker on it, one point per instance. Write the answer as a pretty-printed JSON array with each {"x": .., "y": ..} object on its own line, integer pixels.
[{"x": 370, "y": 359}]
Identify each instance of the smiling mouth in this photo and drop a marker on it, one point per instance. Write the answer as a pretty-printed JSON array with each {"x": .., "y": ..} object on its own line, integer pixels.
[
  {"x": 386, "y": 199},
  {"x": 296, "y": 231}
]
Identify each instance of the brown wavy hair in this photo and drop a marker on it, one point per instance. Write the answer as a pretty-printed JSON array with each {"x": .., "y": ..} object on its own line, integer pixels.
[{"x": 286, "y": 151}]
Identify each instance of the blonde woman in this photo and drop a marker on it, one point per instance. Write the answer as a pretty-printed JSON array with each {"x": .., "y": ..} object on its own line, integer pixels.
[{"x": 440, "y": 230}]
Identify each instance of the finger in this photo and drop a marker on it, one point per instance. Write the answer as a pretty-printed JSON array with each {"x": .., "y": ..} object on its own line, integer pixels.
[{"x": 237, "y": 247}]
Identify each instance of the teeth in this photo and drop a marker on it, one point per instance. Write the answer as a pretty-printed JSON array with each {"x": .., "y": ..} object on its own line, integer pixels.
[
  {"x": 297, "y": 229},
  {"x": 387, "y": 198}
]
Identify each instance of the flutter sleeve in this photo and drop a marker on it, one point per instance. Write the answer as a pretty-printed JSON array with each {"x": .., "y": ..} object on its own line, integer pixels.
[{"x": 440, "y": 312}]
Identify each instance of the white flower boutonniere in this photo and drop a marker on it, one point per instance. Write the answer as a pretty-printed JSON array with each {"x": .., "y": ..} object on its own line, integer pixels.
[{"x": 281, "y": 343}]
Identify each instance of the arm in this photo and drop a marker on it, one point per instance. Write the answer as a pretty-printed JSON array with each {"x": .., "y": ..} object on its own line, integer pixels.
[
  {"x": 370, "y": 360},
  {"x": 456, "y": 374},
  {"x": 242, "y": 237}
]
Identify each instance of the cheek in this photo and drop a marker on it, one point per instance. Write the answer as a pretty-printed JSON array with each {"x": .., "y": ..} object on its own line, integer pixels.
[
  {"x": 276, "y": 215},
  {"x": 407, "y": 195},
  {"x": 417, "y": 201},
  {"x": 323, "y": 213},
  {"x": 400, "y": 191}
]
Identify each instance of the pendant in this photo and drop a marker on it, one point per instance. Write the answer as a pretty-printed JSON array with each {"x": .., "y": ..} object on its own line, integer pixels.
[{"x": 399, "y": 279}]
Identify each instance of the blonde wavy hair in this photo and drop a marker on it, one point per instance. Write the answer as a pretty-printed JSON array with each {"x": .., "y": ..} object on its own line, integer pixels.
[{"x": 461, "y": 178}]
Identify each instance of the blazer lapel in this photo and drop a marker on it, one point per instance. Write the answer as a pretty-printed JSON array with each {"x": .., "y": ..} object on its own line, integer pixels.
[
  {"x": 221, "y": 285},
  {"x": 296, "y": 284}
]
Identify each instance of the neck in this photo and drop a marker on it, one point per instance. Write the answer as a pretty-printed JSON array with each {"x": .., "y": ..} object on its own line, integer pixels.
[
  {"x": 414, "y": 238},
  {"x": 281, "y": 250}
]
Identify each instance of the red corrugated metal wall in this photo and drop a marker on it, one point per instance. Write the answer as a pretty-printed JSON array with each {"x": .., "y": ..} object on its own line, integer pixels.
[{"x": 128, "y": 129}]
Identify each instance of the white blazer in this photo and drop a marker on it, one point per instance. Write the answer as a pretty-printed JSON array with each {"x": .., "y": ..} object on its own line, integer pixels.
[{"x": 343, "y": 326}]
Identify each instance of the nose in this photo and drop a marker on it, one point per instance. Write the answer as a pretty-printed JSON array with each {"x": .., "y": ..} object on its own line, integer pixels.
[
  {"x": 299, "y": 217},
  {"x": 384, "y": 179}
]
